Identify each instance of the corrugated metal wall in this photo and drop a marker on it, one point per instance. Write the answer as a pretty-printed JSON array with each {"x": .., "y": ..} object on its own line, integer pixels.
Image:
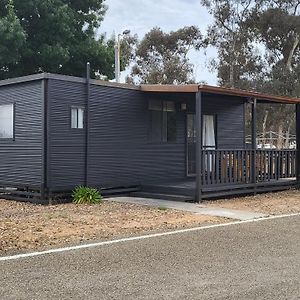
[
  {"x": 230, "y": 119},
  {"x": 120, "y": 149},
  {"x": 21, "y": 159},
  {"x": 66, "y": 146},
  {"x": 120, "y": 152}
]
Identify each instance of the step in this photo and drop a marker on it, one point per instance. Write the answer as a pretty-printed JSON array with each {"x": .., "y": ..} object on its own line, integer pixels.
[
  {"x": 169, "y": 190},
  {"x": 171, "y": 197}
]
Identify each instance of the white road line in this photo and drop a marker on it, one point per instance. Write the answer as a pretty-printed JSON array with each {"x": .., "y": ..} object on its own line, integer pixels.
[{"x": 136, "y": 238}]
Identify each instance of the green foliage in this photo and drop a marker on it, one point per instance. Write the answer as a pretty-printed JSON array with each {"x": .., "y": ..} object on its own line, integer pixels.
[
  {"x": 258, "y": 44},
  {"x": 12, "y": 37},
  {"x": 60, "y": 38},
  {"x": 162, "y": 58},
  {"x": 162, "y": 208},
  {"x": 86, "y": 195}
]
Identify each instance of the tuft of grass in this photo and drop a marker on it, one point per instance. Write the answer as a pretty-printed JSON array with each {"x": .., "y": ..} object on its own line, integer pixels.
[
  {"x": 162, "y": 208},
  {"x": 86, "y": 195}
]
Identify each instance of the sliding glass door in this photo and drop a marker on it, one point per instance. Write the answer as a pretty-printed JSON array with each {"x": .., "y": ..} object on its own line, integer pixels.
[{"x": 208, "y": 139}]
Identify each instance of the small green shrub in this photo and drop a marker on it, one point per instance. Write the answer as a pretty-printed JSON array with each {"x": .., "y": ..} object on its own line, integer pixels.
[
  {"x": 162, "y": 208},
  {"x": 85, "y": 194}
]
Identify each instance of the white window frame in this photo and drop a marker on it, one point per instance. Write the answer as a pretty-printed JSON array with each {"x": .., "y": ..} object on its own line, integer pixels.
[
  {"x": 10, "y": 135},
  {"x": 77, "y": 117}
]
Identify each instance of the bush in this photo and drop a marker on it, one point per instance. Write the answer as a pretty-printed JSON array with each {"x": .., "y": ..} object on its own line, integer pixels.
[{"x": 85, "y": 194}]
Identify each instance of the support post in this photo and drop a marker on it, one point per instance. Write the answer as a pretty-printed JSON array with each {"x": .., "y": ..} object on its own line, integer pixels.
[
  {"x": 87, "y": 115},
  {"x": 253, "y": 142},
  {"x": 298, "y": 142},
  {"x": 198, "y": 127}
]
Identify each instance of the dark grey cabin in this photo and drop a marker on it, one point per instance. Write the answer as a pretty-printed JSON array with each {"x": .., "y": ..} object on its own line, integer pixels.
[{"x": 173, "y": 142}]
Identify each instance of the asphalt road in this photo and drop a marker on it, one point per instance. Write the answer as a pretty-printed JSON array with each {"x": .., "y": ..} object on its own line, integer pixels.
[{"x": 258, "y": 260}]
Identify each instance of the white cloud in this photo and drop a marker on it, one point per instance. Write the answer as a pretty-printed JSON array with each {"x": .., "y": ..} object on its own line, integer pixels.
[{"x": 140, "y": 16}]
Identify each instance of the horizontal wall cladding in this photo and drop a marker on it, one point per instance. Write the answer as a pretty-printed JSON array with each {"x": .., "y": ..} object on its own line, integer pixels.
[
  {"x": 120, "y": 151},
  {"x": 230, "y": 114},
  {"x": 230, "y": 119},
  {"x": 21, "y": 159},
  {"x": 66, "y": 146}
]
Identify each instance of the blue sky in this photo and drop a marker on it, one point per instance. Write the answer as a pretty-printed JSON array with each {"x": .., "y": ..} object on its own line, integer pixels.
[{"x": 140, "y": 16}]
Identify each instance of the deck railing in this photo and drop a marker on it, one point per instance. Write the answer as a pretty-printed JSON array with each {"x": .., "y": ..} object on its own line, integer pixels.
[{"x": 247, "y": 166}]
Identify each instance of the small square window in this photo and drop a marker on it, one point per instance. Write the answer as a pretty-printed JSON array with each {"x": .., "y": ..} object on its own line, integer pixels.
[
  {"x": 77, "y": 117},
  {"x": 7, "y": 121}
]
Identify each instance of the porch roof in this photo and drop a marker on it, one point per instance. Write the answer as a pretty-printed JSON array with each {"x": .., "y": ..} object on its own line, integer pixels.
[{"x": 194, "y": 88}]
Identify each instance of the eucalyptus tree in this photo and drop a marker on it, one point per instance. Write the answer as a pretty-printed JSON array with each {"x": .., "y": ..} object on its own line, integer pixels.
[{"x": 162, "y": 58}]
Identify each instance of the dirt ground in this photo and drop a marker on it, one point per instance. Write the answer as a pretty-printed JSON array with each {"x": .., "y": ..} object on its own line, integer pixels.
[
  {"x": 25, "y": 226},
  {"x": 286, "y": 202}
]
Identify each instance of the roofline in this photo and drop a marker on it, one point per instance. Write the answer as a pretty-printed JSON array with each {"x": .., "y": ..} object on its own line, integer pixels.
[
  {"x": 194, "y": 88},
  {"x": 22, "y": 79},
  {"x": 42, "y": 76},
  {"x": 248, "y": 94},
  {"x": 184, "y": 88}
]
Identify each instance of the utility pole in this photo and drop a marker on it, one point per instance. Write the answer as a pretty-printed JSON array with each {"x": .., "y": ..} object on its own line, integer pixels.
[{"x": 118, "y": 54}]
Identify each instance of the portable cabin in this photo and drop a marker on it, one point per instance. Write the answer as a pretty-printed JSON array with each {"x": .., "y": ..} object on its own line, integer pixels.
[{"x": 183, "y": 142}]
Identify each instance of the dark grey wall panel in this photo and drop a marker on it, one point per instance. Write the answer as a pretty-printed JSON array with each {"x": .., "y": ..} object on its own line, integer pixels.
[
  {"x": 21, "y": 159},
  {"x": 120, "y": 149},
  {"x": 229, "y": 112},
  {"x": 230, "y": 120},
  {"x": 66, "y": 146},
  {"x": 120, "y": 152}
]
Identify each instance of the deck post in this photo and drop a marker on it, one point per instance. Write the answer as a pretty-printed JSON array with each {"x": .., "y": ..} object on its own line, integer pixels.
[
  {"x": 298, "y": 142},
  {"x": 198, "y": 127},
  {"x": 253, "y": 142}
]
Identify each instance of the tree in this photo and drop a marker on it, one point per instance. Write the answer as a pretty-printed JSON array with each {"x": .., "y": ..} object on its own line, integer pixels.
[
  {"x": 60, "y": 38},
  {"x": 277, "y": 26},
  {"x": 12, "y": 37},
  {"x": 237, "y": 63},
  {"x": 258, "y": 47},
  {"x": 162, "y": 58}
]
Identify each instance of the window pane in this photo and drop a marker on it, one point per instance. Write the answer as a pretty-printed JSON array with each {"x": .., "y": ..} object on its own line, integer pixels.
[
  {"x": 80, "y": 117},
  {"x": 74, "y": 119},
  {"x": 7, "y": 121},
  {"x": 208, "y": 132},
  {"x": 169, "y": 106},
  {"x": 171, "y": 126},
  {"x": 156, "y": 125},
  {"x": 155, "y": 105}
]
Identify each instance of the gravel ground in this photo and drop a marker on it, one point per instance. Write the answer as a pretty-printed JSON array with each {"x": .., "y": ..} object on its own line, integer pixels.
[
  {"x": 286, "y": 202},
  {"x": 25, "y": 226}
]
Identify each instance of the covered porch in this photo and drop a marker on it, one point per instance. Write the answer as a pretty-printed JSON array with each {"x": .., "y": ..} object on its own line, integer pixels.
[{"x": 223, "y": 171}]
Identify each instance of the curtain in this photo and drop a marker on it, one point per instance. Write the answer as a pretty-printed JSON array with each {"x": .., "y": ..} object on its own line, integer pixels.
[{"x": 209, "y": 139}]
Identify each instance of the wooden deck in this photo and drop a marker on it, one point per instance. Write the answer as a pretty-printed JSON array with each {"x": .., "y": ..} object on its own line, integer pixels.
[
  {"x": 184, "y": 190},
  {"x": 232, "y": 172}
]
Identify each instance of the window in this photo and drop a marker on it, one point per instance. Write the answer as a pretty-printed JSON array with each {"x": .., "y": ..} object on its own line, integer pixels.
[
  {"x": 7, "y": 121},
  {"x": 163, "y": 121},
  {"x": 208, "y": 132},
  {"x": 77, "y": 117}
]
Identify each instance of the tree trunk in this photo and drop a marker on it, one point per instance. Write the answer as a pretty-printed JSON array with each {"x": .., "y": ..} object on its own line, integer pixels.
[
  {"x": 287, "y": 137},
  {"x": 280, "y": 136},
  {"x": 292, "y": 52},
  {"x": 264, "y": 126}
]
